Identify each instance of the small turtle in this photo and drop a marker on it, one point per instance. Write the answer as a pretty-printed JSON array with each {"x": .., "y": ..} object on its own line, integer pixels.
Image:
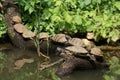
[
  {"x": 76, "y": 42},
  {"x": 88, "y": 44},
  {"x": 98, "y": 54},
  {"x": 60, "y": 38},
  {"x": 43, "y": 36},
  {"x": 16, "y": 19},
  {"x": 96, "y": 51}
]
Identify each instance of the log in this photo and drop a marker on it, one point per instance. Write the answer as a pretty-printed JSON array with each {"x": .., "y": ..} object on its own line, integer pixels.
[
  {"x": 73, "y": 62},
  {"x": 10, "y": 10},
  {"x": 109, "y": 48}
]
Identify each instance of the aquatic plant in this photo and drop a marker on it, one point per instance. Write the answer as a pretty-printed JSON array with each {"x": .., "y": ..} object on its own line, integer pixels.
[
  {"x": 3, "y": 59},
  {"x": 114, "y": 69}
]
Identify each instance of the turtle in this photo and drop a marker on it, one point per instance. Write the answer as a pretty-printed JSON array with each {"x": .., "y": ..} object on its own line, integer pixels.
[
  {"x": 76, "y": 42},
  {"x": 28, "y": 34},
  {"x": 75, "y": 51},
  {"x": 20, "y": 28},
  {"x": 43, "y": 36},
  {"x": 60, "y": 38},
  {"x": 90, "y": 36},
  {"x": 16, "y": 19},
  {"x": 88, "y": 44},
  {"x": 97, "y": 53}
]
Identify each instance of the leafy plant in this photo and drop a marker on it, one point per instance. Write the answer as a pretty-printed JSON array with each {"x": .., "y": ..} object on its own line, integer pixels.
[
  {"x": 114, "y": 69},
  {"x": 3, "y": 28},
  {"x": 99, "y": 16},
  {"x": 3, "y": 59}
]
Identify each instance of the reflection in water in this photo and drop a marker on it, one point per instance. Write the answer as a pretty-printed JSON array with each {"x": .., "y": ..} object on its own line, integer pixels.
[
  {"x": 86, "y": 75},
  {"x": 29, "y": 71}
]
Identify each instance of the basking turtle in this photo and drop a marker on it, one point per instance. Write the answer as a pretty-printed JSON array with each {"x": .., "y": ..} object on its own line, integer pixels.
[
  {"x": 20, "y": 28},
  {"x": 76, "y": 42},
  {"x": 28, "y": 34},
  {"x": 76, "y": 51},
  {"x": 60, "y": 38},
  {"x": 97, "y": 53},
  {"x": 16, "y": 19},
  {"x": 43, "y": 36},
  {"x": 88, "y": 44}
]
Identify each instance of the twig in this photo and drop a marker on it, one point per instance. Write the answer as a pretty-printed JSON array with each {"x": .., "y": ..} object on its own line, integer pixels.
[{"x": 50, "y": 65}]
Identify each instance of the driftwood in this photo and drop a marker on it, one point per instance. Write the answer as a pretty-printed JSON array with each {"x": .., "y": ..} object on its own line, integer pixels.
[{"x": 109, "y": 48}]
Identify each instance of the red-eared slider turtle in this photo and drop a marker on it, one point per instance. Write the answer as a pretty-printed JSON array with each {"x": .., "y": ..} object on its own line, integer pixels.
[
  {"x": 76, "y": 42},
  {"x": 43, "y": 36},
  {"x": 60, "y": 38}
]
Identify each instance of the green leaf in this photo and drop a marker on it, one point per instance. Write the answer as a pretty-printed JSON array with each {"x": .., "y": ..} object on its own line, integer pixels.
[
  {"x": 77, "y": 19},
  {"x": 58, "y": 3},
  {"x": 107, "y": 77},
  {"x": 67, "y": 17},
  {"x": 114, "y": 35},
  {"x": 117, "y": 72},
  {"x": 87, "y": 2},
  {"x": 117, "y": 5},
  {"x": 31, "y": 10}
]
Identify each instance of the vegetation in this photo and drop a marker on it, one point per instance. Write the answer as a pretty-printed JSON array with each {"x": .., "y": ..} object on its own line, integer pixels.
[
  {"x": 53, "y": 16},
  {"x": 99, "y": 16},
  {"x": 114, "y": 69},
  {"x": 3, "y": 28},
  {"x": 3, "y": 59}
]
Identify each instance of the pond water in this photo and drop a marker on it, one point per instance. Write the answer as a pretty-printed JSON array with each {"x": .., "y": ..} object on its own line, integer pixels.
[{"x": 30, "y": 70}]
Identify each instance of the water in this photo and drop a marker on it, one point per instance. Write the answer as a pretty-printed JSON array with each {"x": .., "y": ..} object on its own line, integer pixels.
[{"x": 30, "y": 72}]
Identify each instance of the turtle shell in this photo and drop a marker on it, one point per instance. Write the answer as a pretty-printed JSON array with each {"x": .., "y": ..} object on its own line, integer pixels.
[
  {"x": 20, "y": 28},
  {"x": 43, "y": 35},
  {"x": 16, "y": 19},
  {"x": 96, "y": 51},
  {"x": 88, "y": 44},
  {"x": 76, "y": 49},
  {"x": 60, "y": 38},
  {"x": 76, "y": 42},
  {"x": 28, "y": 34}
]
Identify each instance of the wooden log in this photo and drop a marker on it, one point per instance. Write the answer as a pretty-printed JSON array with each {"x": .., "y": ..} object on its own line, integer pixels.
[
  {"x": 10, "y": 10},
  {"x": 73, "y": 62}
]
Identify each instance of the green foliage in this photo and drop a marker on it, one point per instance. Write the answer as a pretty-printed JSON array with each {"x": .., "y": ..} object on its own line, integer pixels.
[
  {"x": 114, "y": 69},
  {"x": 2, "y": 27},
  {"x": 3, "y": 59},
  {"x": 99, "y": 16}
]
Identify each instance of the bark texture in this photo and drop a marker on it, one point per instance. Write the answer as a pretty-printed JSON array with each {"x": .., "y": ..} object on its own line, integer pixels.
[{"x": 10, "y": 10}]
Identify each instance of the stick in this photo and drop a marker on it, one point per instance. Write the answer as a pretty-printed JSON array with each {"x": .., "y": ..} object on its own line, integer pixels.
[{"x": 50, "y": 65}]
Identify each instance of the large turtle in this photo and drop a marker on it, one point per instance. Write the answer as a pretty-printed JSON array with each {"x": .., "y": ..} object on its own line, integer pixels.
[
  {"x": 43, "y": 36},
  {"x": 60, "y": 38},
  {"x": 76, "y": 51}
]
